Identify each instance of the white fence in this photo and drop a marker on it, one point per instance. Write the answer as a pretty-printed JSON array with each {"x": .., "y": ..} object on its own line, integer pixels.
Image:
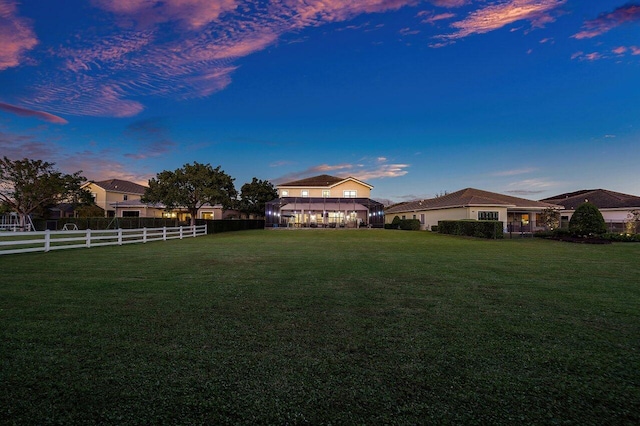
[{"x": 25, "y": 242}]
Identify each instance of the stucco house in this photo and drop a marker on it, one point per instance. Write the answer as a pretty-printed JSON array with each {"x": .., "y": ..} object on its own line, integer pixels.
[
  {"x": 108, "y": 193},
  {"x": 615, "y": 207},
  {"x": 518, "y": 214},
  {"x": 324, "y": 201}
]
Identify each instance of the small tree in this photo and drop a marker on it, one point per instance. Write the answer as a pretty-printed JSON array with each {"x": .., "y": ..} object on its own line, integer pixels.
[
  {"x": 550, "y": 218},
  {"x": 27, "y": 186},
  {"x": 254, "y": 196},
  {"x": 587, "y": 220},
  {"x": 191, "y": 187},
  {"x": 633, "y": 219}
]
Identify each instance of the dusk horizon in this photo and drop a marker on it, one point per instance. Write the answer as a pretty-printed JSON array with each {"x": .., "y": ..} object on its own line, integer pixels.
[{"x": 530, "y": 98}]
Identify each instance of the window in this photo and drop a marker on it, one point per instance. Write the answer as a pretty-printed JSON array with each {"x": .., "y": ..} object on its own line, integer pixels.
[
  {"x": 125, "y": 197},
  {"x": 284, "y": 193},
  {"x": 131, "y": 213},
  {"x": 349, "y": 194},
  {"x": 422, "y": 218},
  {"x": 304, "y": 193},
  {"x": 414, "y": 217},
  {"x": 326, "y": 193},
  {"x": 487, "y": 215},
  {"x": 94, "y": 196}
]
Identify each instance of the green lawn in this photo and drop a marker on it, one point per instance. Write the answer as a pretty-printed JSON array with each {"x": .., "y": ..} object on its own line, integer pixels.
[{"x": 322, "y": 327}]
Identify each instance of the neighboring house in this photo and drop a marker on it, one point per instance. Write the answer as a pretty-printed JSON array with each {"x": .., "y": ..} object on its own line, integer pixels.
[
  {"x": 107, "y": 194},
  {"x": 614, "y": 206},
  {"x": 136, "y": 208},
  {"x": 324, "y": 201},
  {"x": 518, "y": 214}
]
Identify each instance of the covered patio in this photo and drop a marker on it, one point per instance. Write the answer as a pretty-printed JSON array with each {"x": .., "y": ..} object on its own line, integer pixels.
[{"x": 310, "y": 212}]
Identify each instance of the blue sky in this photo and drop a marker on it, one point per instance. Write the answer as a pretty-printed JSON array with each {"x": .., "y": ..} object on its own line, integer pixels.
[{"x": 523, "y": 97}]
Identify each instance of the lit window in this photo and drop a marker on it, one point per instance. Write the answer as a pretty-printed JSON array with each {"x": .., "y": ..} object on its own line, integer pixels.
[
  {"x": 304, "y": 193},
  {"x": 326, "y": 193},
  {"x": 284, "y": 193},
  {"x": 349, "y": 194}
]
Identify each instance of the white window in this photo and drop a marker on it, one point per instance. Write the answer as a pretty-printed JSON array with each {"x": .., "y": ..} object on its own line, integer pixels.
[
  {"x": 284, "y": 193},
  {"x": 349, "y": 194},
  {"x": 326, "y": 193},
  {"x": 487, "y": 215},
  {"x": 304, "y": 193}
]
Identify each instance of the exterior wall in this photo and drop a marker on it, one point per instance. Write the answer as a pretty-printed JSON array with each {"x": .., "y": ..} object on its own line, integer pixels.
[
  {"x": 105, "y": 198},
  {"x": 362, "y": 191},
  {"x": 431, "y": 217}
]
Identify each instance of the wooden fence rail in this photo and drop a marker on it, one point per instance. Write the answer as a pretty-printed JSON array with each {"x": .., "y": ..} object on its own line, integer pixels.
[{"x": 25, "y": 242}]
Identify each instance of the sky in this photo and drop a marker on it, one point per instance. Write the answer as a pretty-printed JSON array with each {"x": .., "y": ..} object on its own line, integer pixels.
[{"x": 531, "y": 98}]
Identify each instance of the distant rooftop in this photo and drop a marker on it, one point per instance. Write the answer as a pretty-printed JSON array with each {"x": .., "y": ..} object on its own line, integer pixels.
[
  {"x": 601, "y": 198},
  {"x": 321, "y": 181},
  {"x": 469, "y": 197},
  {"x": 119, "y": 185}
]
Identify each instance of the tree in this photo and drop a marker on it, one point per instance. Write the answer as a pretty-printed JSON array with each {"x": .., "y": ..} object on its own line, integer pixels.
[
  {"x": 550, "y": 218},
  {"x": 27, "y": 186},
  {"x": 191, "y": 187},
  {"x": 254, "y": 196},
  {"x": 587, "y": 220}
]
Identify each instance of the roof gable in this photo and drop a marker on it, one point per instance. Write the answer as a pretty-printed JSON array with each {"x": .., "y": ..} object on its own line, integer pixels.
[
  {"x": 470, "y": 197},
  {"x": 601, "y": 198},
  {"x": 119, "y": 185},
  {"x": 322, "y": 181}
]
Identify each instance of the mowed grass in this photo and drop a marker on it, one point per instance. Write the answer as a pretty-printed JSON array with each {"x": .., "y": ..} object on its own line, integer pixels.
[{"x": 322, "y": 327}]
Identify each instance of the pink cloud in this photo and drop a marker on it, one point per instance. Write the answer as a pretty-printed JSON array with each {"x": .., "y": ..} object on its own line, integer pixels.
[
  {"x": 439, "y": 17},
  {"x": 24, "y": 112},
  {"x": 16, "y": 34},
  {"x": 635, "y": 50},
  {"x": 195, "y": 14},
  {"x": 620, "y": 50},
  {"x": 608, "y": 21},
  {"x": 376, "y": 168},
  {"x": 496, "y": 16},
  {"x": 450, "y": 3}
]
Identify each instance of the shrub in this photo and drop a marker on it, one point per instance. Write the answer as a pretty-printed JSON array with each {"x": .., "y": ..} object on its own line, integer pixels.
[
  {"x": 410, "y": 224},
  {"x": 434, "y": 228},
  {"x": 587, "y": 221},
  {"x": 472, "y": 228}
]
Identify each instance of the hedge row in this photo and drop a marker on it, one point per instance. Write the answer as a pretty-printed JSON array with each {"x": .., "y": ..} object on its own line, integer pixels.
[
  {"x": 472, "y": 228},
  {"x": 404, "y": 224},
  {"x": 218, "y": 226}
]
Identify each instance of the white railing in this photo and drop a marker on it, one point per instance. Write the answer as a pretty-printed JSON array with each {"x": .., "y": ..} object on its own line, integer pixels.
[{"x": 25, "y": 242}]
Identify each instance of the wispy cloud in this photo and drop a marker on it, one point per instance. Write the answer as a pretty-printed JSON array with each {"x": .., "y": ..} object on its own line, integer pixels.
[
  {"x": 450, "y": 3},
  {"x": 498, "y": 15},
  {"x": 16, "y": 33},
  {"x": 605, "y": 22},
  {"x": 530, "y": 186},
  {"x": 377, "y": 168},
  {"x": 153, "y": 137},
  {"x": 514, "y": 172},
  {"x": 179, "y": 49},
  {"x": 432, "y": 19},
  {"x": 24, "y": 112}
]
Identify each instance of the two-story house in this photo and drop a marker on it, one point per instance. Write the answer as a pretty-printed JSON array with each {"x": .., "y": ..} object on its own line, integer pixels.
[
  {"x": 107, "y": 194},
  {"x": 324, "y": 201}
]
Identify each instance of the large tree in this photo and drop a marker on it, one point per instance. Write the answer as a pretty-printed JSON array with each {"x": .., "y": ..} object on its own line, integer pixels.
[
  {"x": 191, "y": 187},
  {"x": 28, "y": 186},
  {"x": 254, "y": 196}
]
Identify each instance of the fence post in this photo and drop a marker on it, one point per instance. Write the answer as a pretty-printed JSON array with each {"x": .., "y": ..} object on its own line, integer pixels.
[
  {"x": 88, "y": 238},
  {"x": 144, "y": 234},
  {"x": 164, "y": 233},
  {"x": 194, "y": 231},
  {"x": 47, "y": 239},
  {"x": 119, "y": 236},
  {"x": 180, "y": 232}
]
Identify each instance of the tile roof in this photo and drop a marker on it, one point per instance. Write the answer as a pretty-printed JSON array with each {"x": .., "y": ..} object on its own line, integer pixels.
[
  {"x": 469, "y": 197},
  {"x": 118, "y": 185},
  {"x": 320, "y": 181},
  {"x": 601, "y": 198}
]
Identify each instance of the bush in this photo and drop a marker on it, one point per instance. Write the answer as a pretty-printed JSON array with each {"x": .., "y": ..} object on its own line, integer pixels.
[
  {"x": 587, "y": 221},
  {"x": 434, "y": 228},
  {"x": 410, "y": 224},
  {"x": 472, "y": 228}
]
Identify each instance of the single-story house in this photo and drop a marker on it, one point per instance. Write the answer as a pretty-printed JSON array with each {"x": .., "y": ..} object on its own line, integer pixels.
[
  {"x": 518, "y": 214},
  {"x": 136, "y": 208},
  {"x": 615, "y": 207},
  {"x": 324, "y": 201}
]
